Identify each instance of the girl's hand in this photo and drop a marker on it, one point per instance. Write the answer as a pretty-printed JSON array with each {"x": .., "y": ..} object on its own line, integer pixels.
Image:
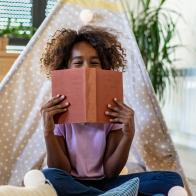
[
  {"x": 48, "y": 110},
  {"x": 122, "y": 114}
]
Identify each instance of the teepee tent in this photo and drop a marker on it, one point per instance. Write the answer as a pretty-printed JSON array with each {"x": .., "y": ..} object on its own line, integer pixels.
[{"x": 25, "y": 89}]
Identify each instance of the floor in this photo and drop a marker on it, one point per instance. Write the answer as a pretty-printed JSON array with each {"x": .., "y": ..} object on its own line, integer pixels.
[{"x": 188, "y": 161}]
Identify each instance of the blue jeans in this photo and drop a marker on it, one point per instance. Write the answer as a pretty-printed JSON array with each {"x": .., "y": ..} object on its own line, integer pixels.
[{"x": 150, "y": 183}]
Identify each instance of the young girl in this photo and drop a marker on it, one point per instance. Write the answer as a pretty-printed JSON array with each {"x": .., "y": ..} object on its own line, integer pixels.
[{"x": 86, "y": 159}]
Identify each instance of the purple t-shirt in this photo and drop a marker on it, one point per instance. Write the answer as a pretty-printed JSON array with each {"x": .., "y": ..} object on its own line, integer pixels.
[{"x": 86, "y": 143}]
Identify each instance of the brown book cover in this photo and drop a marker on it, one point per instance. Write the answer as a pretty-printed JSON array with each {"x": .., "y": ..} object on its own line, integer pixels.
[{"x": 89, "y": 91}]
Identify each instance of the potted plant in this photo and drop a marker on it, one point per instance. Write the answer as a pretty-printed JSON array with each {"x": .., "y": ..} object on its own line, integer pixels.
[
  {"x": 3, "y": 40},
  {"x": 18, "y": 34},
  {"x": 3, "y": 43},
  {"x": 154, "y": 27}
]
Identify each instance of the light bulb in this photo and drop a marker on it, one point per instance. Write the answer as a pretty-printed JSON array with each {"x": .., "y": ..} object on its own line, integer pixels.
[
  {"x": 86, "y": 16},
  {"x": 177, "y": 191},
  {"x": 34, "y": 178}
]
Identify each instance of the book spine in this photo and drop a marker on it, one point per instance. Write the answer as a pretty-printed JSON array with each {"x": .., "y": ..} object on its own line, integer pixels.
[{"x": 91, "y": 110}]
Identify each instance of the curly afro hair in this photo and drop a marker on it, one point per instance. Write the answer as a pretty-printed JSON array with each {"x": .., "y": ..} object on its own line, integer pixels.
[{"x": 58, "y": 50}]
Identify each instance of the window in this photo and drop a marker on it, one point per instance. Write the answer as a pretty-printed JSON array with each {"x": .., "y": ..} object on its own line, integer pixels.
[
  {"x": 19, "y": 12},
  {"x": 27, "y": 14},
  {"x": 49, "y": 7}
]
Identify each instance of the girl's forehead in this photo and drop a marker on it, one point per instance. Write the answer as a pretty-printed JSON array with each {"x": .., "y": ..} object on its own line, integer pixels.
[{"x": 83, "y": 49}]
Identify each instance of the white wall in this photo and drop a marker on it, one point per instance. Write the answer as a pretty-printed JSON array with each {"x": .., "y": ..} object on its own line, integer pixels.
[
  {"x": 186, "y": 28},
  {"x": 179, "y": 110},
  {"x": 187, "y": 31}
]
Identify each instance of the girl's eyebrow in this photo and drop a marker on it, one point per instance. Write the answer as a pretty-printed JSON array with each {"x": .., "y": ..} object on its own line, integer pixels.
[
  {"x": 80, "y": 57},
  {"x": 95, "y": 57},
  {"x": 76, "y": 57}
]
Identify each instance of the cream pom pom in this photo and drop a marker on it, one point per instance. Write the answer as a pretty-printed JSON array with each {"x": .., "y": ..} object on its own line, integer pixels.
[
  {"x": 177, "y": 191},
  {"x": 86, "y": 16},
  {"x": 34, "y": 178}
]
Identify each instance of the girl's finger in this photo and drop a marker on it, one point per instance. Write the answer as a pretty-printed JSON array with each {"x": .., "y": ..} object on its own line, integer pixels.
[
  {"x": 118, "y": 115},
  {"x": 59, "y": 106},
  {"x": 57, "y": 111},
  {"x": 120, "y": 111},
  {"x": 119, "y": 120},
  {"x": 119, "y": 103},
  {"x": 113, "y": 108},
  {"x": 122, "y": 105},
  {"x": 54, "y": 101},
  {"x": 112, "y": 113},
  {"x": 127, "y": 106}
]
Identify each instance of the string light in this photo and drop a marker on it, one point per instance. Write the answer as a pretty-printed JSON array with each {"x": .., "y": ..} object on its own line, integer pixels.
[
  {"x": 86, "y": 16},
  {"x": 177, "y": 191}
]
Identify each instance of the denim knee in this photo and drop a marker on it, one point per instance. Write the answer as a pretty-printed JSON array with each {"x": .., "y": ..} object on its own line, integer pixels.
[
  {"x": 51, "y": 173},
  {"x": 174, "y": 177}
]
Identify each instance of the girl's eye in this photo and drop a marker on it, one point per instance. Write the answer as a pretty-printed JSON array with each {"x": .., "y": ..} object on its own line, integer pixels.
[
  {"x": 94, "y": 63},
  {"x": 77, "y": 64}
]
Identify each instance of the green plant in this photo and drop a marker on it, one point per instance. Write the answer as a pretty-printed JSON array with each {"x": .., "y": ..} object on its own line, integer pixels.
[
  {"x": 154, "y": 27},
  {"x": 17, "y": 31}
]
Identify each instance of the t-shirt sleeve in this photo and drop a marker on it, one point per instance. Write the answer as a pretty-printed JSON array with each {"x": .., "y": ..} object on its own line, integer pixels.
[
  {"x": 113, "y": 127},
  {"x": 116, "y": 126},
  {"x": 59, "y": 130}
]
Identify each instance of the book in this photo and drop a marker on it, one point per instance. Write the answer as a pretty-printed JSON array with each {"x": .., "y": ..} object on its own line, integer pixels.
[{"x": 89, "y": 91}]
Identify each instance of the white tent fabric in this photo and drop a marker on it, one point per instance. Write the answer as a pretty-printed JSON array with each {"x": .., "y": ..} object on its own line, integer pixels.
[{"x": 25, "y": 89}]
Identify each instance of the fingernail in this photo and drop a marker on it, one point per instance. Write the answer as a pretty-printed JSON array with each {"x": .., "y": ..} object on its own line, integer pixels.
[
  {"x": 106, "y": 112},
  {"x": 62, "y": 96},
  {"x": 66, "y": 103},
  {"x": 57, "y": 95},
  {"x": 115, "y": 99},
  {"x": 109, "y": 105}
]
